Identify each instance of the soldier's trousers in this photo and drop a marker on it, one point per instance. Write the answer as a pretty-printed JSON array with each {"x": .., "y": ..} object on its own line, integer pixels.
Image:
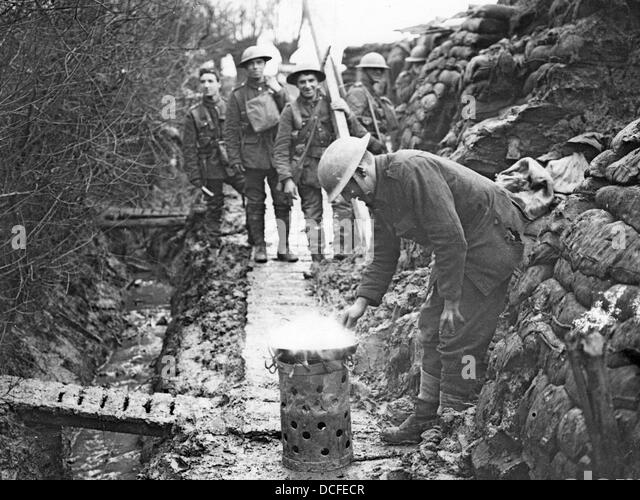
[
  {"x": 311, "y": 201},
  {"x": 454, "y": 365},
  {"x": 346, "y": 240},
  {"x": 256, "y": 207},
  {"x": 215, "y": 204}
]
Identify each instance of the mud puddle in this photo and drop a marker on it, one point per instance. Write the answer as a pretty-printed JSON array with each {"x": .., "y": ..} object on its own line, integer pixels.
[{"x": 108, "y": 455}]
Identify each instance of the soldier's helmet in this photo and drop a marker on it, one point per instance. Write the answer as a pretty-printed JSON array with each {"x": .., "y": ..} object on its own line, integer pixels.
[
  {"x": 418, "y": 54},
  {"x": 301, "y": 69},
  {"x": 254, "y": 52},
  {"x": 373, "y": 60},
  {"x": 339, "y": 162}
]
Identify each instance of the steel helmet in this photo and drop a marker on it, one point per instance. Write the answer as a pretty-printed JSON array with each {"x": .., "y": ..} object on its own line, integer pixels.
[
  {"x": 418, "y": 54},
  {"x": 254, "y": 52},
  {"x": 306, "y": 68},
  {"x": 373, "y": 60},
  {"x": 339, "y": 162}
]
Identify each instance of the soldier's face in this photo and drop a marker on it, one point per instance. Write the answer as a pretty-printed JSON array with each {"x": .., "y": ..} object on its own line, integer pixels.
[
  {"x": 210, "y": 85},
  {"x": 376, "y": 74},
  {"x": 255, "y": 68},
  {"x": 308, "y": 85}
]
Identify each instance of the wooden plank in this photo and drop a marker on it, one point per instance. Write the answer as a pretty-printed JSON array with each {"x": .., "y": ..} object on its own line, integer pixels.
[{"x": 68, "y": 405}]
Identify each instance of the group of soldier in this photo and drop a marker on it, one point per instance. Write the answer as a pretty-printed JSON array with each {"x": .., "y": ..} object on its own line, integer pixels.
[
  {"x": 260, "y": 134},
  {"x": 469, "y": 223}
]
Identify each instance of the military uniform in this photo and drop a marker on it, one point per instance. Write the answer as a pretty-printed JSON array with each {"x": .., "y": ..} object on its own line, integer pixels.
[
  {"x": 474, "y": 229},
  {"x": 254, "y": 151},
  {"x": 205, "y": 159},
  {"x": 361, "y": 98},
  {"x": 296, "y": 129}
]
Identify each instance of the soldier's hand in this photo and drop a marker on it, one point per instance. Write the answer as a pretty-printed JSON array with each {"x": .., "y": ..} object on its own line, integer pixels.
[
  {"x": 341, "y": 105},
  {"x": 291, "y": 189},
  {"x": 274, "y": 84},
  {"x": 239, "y": 168},
  {"x": 350, "y": 316},
  {"x": 449, "y": 317}
]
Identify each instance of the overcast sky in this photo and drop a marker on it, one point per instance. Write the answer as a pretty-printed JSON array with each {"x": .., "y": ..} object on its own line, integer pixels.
[{"x": 355, "y": 22}]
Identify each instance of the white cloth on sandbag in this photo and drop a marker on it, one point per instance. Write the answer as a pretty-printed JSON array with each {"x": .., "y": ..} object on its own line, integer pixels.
[{"x": 530, "y": 185}]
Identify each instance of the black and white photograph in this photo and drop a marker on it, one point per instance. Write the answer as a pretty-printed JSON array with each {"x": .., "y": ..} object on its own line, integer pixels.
[{"x": 312, "y": 245}]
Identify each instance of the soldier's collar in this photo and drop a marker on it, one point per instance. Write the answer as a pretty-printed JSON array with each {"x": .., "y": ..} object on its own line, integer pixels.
[
  {"x": 256, "y": 84},
  {"x": 380, "y": 194}
]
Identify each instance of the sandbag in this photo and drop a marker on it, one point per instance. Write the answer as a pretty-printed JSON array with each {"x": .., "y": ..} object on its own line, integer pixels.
[
  {"x": 565, "y": 313},
  {"x": 502, "y": 12},
  {"x": 479, "y": 68},
  {"x": 587, "y": 289},
  {"x": 446, "y": 47},
  {"x": 625, "y": 338},
  {"x": 462, "y": 52},
  {"x": 598, "y": 167},
  {"x": 429, "y": 102},
  {"x": 624, "y": 384},
  {"x": 569, "y": 46},
  {"x": 537, "y": 78},
  {"x": 539, "y": 56},
  {"x": 432, "y": 78},
  {"x": 485, "y": 25},
  {"x": 459, "y": 37},
  {"x": 530, "y": 185},
  {"x": 623, "y": 203},
  {"x": 539, "y": 226},
  {"x": 597, "y": 245},
  {"x": 528, "y": 282},
  {"x": 628, "y": 139},
  {"x": 435, "y": 64},
  {"x": 626, "y": 170},
  {"x": 543, "y": 419},
  {"x": 546, "y": 250},
  {"x": 568, "y": 172},
  {"x": 481, "y": 40},
  {"x": 573, "y": 437},
  {"x": 440, "y": 89},
  {"x": 450, "y": 78},
  {"x": 590, "y": 144}
]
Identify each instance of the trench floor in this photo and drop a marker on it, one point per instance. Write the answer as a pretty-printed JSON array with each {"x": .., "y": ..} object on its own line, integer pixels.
[{"x": 278, "y": 293}]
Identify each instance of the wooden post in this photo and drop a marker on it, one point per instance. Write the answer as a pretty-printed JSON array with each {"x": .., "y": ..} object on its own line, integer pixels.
[{"x": 586, "y": 355}]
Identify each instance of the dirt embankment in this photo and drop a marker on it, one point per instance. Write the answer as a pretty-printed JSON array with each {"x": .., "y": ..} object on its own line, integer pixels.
[
  {"x": 202, "y": 352},
  {"x": 65, "y": 341},
  {"x": 558, "y": 70}
]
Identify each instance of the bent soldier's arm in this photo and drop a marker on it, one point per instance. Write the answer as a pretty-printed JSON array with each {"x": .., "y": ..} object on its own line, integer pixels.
[
  {"x": 282, "y": 147},
  {"x": 434, "y": 206},
  {"x": 386, "y": 252},
  {"x": 232, "y": 131},
  {"x": 190, "y": 150}
]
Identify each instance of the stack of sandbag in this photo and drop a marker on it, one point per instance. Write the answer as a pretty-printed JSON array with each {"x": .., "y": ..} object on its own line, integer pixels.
[
  {"x": 585, "y": 263},
  {"x": 436, "y": 100}
]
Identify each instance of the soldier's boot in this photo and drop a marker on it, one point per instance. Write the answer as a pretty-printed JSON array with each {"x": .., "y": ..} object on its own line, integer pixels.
[
  {"x": 255, "y": 221},
  {"x": 284, "y": 251},
  {"x": 260, "y": 254},
  {"x": 425, "y": 417},
  {"x": 213, "y": 224}
]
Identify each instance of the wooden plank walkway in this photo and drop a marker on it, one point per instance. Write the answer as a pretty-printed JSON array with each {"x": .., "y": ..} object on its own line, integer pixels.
[{"x": 67, "y": 405}]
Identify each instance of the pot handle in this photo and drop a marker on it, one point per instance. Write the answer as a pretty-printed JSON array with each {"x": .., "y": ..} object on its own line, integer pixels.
[{"x": 273, "y": 367}]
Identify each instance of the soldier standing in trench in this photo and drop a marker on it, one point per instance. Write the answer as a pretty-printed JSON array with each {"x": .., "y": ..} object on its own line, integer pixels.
[
  {"x": 205, "y": 157},
  {"x": 250, "y": 131},
  {"x": 407, "y": 81},
  {"x": 473, "y": 228},
  {"x": 376, "y": 113},
  {"x": 305, "y": 131}
]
